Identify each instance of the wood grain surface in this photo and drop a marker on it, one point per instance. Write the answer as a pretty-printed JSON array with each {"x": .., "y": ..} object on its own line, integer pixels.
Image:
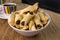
[{"x": 52, "y": 32}]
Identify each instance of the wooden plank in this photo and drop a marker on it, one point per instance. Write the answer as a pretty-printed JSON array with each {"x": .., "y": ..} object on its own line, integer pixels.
[
  {"x": 47, "y": 34},
  {"x": 52, "y": 32}
]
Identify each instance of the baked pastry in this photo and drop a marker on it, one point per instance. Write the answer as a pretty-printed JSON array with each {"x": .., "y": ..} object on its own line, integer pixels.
[
  {"x": 30, "y": 8},
  {"x": 11, "y": 19},
  {"x": 31, "y": 23},
  {"x": 43, "y": 17},
  {"x": 37, "y": 20},
  {"x": 18, "y": 19},
  {"x": 28, "y": 18}
]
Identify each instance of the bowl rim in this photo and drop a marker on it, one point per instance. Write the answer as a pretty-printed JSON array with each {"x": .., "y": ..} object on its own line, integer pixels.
[{"x": 34, "y": 30}]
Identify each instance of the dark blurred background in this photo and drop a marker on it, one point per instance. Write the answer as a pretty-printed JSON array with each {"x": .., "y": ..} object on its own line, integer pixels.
[{"x": 53, "y": 5}]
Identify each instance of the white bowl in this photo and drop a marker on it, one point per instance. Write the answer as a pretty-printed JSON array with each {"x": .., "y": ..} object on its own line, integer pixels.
[{"x": 31, "y": 33}]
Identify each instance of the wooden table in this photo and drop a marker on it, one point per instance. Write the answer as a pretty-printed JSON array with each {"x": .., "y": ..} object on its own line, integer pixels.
[{"x": 52, "y": 32}]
